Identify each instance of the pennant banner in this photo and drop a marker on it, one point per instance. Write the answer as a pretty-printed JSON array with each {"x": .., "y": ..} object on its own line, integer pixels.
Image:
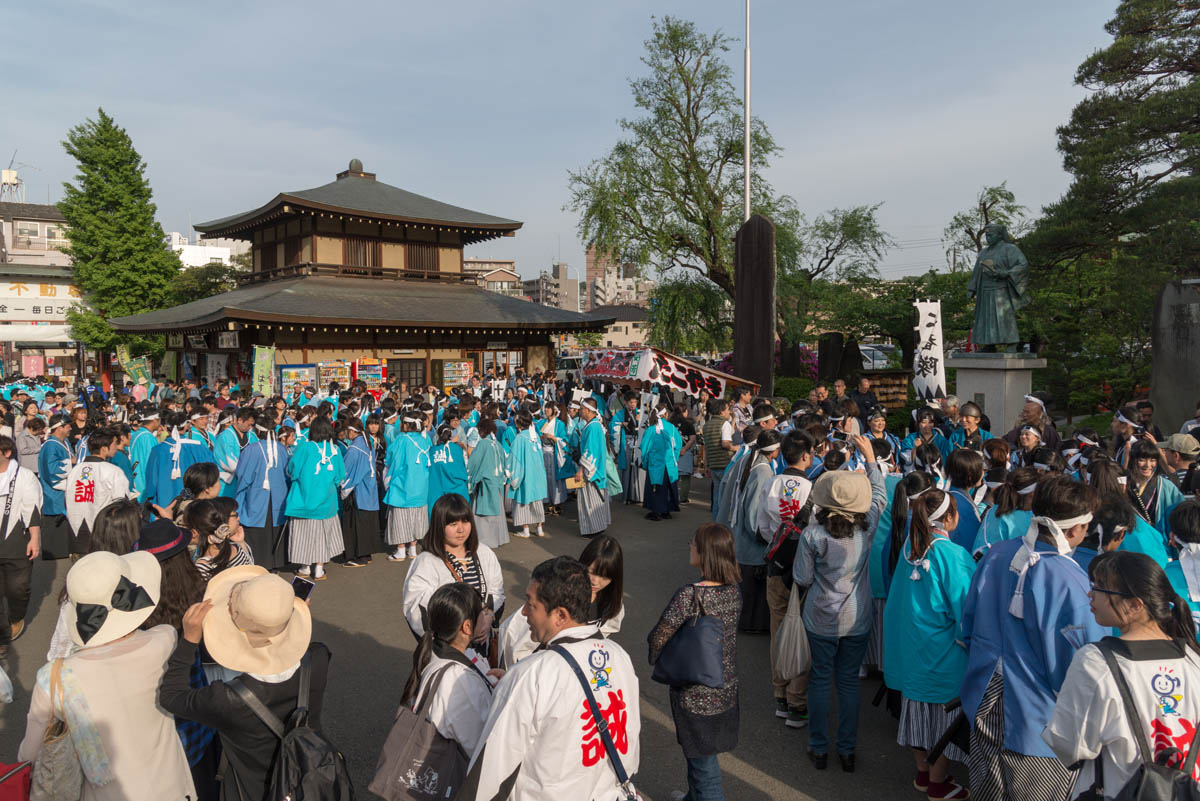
[{"x": 263, "y": 373}]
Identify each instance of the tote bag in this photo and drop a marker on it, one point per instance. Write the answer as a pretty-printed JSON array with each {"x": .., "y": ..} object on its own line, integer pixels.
[
  {"x": 694, "y": 653},
  {"x": 417, "y": 763},
  {"x": 790, "y": 653},
  {"x": 57, "y": 774}
]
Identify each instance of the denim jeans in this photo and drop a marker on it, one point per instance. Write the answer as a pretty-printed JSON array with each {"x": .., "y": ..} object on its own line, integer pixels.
[
  {"x": 704, "y": 779},
  {"x": 834, "y": 660},
  {"x": 716, "y": 491}
]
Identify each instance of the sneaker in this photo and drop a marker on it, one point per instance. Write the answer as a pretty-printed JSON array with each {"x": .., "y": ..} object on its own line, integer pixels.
[
  {"x": 922, "y": 781},
  {"x": 319, "y": 573},
  {"x": 399, "y": 555},
  {"x": 412, "y": 550},
  {"x": 781, "y": 708},
  {"x": 18, "y": 629},
  {"x": 948, "y": 790},
  {"x": 523, "y": 534},
  {"x": 305, "y": 571},
  {"x": 541, "y": 532},
  {"x": 797, "y": 718}
]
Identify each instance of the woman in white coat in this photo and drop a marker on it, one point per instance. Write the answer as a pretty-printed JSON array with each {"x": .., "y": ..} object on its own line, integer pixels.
[
  {"x": 605, "y": 564},
  {"x": 451, "y": 552},
  {"x": 462, "y": 693}
]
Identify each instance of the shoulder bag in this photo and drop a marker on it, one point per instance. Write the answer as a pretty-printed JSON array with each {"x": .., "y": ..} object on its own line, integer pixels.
[
  {"x": 493, "y": 637},
  {"x": 694, "y": 654},
  {"x": 1167, "y": 777},
  {"x": 417, "y": 763},
  {"x": 628, "y": 791},
  {"x": 57, "y": 774}
]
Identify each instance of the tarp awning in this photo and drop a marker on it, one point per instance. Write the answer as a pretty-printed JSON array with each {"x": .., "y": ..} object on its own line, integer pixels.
[{"x": 35, "y": 333}]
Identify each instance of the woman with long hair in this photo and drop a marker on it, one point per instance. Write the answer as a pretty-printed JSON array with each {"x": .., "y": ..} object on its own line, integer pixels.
[
  {"x": 216, "y": 545},
  {"x": 555, "y": 457},
  {"x": 1150, "y": 488},
  {"x": 407, "y": 479},
  {"x": 1025, "y": 617},
  {"x": 451, "y": 552},
  {"x": 1106, "y": 478},
  {"x": 448, "y": 471},
  {"x": 317, "y": 472},
  {"x": 460, "y": 702},
  {"x": 923, "y": 656},
  {"x": 360, "y": 497},
  {"x": 1009, "y": 516},
  {"x": 1156, "y": 658},
  {"x": 485, "y": 483},
  {"x": 605, "y": 563},
  {"x": 706, "y": 718}
]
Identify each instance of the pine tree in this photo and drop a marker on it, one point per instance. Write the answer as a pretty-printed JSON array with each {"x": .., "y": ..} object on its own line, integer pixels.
[{"x": 120, "y": 259}]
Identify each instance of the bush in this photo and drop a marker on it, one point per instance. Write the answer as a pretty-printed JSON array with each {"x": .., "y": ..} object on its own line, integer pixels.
[
  {"x": 1101, "y": 422},
  {"x": 899, "y": 419},
  {"x": 793, "y": 388}
]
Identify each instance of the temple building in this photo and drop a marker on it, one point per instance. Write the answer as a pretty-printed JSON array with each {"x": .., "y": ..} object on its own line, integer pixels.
[{"x": 357, "y": 270}]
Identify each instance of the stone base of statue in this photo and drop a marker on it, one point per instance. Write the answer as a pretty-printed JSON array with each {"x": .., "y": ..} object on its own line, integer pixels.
[{"x": 997, "y": 382}]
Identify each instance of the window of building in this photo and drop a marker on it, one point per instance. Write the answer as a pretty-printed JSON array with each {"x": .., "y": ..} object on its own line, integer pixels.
[
  {"x": 27, "y": 229},
  {"x": 411, "y": 371},
  {"x": 268, "y": 258},
  {"x": 361, "y": 252},
  {"x": 293, "y": 252},
  {"x": 54, "y": 232},
  {"x": 423, "y": 258}
]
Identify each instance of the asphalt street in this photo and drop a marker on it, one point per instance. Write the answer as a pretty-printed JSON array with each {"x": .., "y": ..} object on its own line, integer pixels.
[{"x": 357, "y": 614}]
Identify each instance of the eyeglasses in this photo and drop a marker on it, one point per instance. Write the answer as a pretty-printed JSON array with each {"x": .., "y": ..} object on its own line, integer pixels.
[{"x": 1112, "y": 592}]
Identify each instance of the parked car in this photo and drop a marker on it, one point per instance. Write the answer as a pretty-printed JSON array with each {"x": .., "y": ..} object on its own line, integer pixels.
[{"x": 873, "y": 358}]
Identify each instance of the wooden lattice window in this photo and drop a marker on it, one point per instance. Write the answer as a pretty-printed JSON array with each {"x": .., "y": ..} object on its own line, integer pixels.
[
  {"x": 423, "y": 258},
  {"x": 361, "y": 252}
]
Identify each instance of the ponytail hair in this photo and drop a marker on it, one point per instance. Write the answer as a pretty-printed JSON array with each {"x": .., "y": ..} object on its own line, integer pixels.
[
  {"x": 915, "y": 482},
  {"x": 1008, "y": 495},
  {"x": 449, "y": 606},
  {"x": 920, "y": 533},
  {"x": 1139, "y": 576}
]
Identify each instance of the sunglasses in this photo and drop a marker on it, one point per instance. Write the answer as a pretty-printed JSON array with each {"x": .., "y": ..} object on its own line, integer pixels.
[{"x": 1112, "y": 592}]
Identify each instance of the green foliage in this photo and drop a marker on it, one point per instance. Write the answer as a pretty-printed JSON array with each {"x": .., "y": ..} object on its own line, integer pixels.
[
  {"x": 1099, "y": 422},
  {"x": 121, "y": 263},
  {"x": 197, "y": 283},
  {"x": 899, "y": 419},
  {"x": 690, "y": 315},
  {"x": 589, "y": 339},
  {"x": 964, "y": 234},
  {"x": 793, "y": 389}
]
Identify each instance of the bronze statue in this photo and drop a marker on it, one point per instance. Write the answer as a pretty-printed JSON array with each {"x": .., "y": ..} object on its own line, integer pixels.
[{"x": 1000, "y": 287}]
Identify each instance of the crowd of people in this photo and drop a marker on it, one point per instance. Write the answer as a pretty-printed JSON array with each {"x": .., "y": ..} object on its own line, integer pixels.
[{"x": 976, "y": 572}]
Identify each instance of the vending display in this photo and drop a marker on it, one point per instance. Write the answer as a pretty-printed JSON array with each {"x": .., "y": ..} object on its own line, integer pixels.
[
  {"x": 456, "y": 373},
  {"x": 372, "y": 372},
  {"x": 338, "y": 371},
  {"x": 296, "y": 376}
]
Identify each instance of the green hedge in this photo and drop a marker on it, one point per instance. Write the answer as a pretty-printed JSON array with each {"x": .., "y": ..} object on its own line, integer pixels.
[
  {"x": 1101, "y": 422},
  {"x": 793, "y": 389},
  {"x": 900, "y": 418}
]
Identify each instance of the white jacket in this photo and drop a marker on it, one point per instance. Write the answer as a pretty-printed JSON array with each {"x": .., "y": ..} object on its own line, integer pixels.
[
  {"x": 540, "y": 727},
  {"x": 460, "y": 706},
  {"x": 429, "y": 572},
  {"x": 27, "y": 495},
  {"x": 783, "y": 497},
  {"x": 92, "y": 485},
  {"x": 516, "y": 641}
]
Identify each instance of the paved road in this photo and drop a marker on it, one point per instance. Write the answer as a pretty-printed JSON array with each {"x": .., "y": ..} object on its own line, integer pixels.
[{"x": 357, "y": 613}]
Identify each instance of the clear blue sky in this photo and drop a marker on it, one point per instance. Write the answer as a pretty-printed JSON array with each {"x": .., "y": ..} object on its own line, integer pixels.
[{"x": 488, "y": 105}]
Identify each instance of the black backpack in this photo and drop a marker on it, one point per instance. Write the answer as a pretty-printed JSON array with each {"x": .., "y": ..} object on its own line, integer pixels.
[{"x": 307, "y": 766}]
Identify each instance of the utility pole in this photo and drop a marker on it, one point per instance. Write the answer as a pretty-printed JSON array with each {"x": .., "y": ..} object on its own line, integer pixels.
[{"x": 746, "y": 147}]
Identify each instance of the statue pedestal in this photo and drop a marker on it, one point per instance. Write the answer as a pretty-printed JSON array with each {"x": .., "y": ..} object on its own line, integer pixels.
[{"x": 997, "y": 382}]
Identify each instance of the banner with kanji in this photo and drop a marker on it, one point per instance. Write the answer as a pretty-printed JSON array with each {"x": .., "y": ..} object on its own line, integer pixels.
[
  {"x": 625, "y": 365},
  {"x": 929, "y": 370},
  {"x": 138, "y": 370},
  {"x": 263, "y": 378}
]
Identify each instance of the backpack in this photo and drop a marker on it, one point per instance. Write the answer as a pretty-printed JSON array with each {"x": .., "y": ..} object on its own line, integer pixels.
[
  {"x": 307, "y": 766},
  {"x": 781, "y": 551}
]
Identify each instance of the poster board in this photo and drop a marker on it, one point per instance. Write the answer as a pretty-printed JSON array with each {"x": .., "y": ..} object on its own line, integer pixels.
[
  {"x": 295, "y": 376},
  {"x": 456, "y": 373},
  {"x": 138, "y": 371},
  {"x": 263, "y": 378}
]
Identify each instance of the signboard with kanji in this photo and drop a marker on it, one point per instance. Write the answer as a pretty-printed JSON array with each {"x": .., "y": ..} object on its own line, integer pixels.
[
  {"x": 929, "y": 372},
  {"x": 25, "y": 300},
  {"x": 263, "y": 381},
  {"x": 658, "y": 367}
]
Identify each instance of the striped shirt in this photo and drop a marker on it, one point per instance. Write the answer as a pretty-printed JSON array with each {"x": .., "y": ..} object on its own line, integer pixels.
[{"x": 241, "y": 556}]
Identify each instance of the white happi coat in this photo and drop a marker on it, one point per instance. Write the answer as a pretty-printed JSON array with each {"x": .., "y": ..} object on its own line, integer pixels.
[
  {"x": 516, "y": 640},
  {"x": 540, "y": 738},
  {"x": 460, "y": 706},
  {"x": 92, "y": 485},
  {"x": 427, "y": 573}
]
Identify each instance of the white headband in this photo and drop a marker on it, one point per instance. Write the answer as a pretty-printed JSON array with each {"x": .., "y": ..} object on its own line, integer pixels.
[
  {"x": 1086, "y": 441},
  {"x": 765, "y": 417},
  {"x": 1123, "y": 419},
  {"x": 1036, "y": 400},
  {"x": 769, "y": 448},
  {"x": 1027, "y": 556},
  {"x": 1027, "y": 490},
  {"x": 1041, "y": 466},
  {"x": 151, "y": 416},
  {"x": 912, "y": 498},
  {"x": 941, "y": 510}
]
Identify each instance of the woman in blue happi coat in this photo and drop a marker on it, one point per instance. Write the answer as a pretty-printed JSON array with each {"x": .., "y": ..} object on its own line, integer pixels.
[
  {"x": 527, "y": 477},
  {"x": 1009, "y": 515},
  {"x": 317, "y": 472},
  {"x": 448, "y": 468},
  {"x": 1150, "y": 488},
  {"x": 407, "y": 480},
  {"x": 360, "y": 497},
  {"x": 486, "y": 477},
  {"x": 1026, "y": 615},
  {"x": 923, "y": 654},
  {"x": 170, "y": 459},
  {"x": 661, "y": 443},
  {"x": 1105, "y": 477},
  {"x": 261, "y": 488},
  {"x": 556, "y": 458}
]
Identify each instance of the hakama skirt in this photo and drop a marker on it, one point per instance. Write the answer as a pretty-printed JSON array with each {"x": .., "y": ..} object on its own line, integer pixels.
[
  {"x": 406, "y": 524},
  {"x": 595, "y": 514},
  {"x": 268, "y": 543},
  {"x": 360, "y": 530},
  {"x": 313, "y": 541}
]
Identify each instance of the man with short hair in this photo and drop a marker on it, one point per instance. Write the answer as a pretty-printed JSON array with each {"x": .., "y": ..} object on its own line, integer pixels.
[
  {"x": 541, "y": 741},
  {"x": 94, "y": 483},
  {"x": 718, "y": 437},
  {"x": 1146, "y": 410},
  {"x": 740, "y": 413},
  {"x": 865, "y": 399},
  {"x": 1180, "y": 452}
]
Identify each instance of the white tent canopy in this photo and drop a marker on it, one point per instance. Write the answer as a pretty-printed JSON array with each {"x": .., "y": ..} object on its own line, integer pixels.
[{"x": 34, "y": 333}]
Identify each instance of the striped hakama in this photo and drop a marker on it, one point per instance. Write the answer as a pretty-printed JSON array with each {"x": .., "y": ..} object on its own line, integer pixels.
[
  {"x": 528, "y": 514},
  {"x": 556, "y": 491},
  {"x": 875, "y": 640},
  {"x": 406, "y": 524},
  {"x": 492, "y": 530},
  {"x": 922, "y": 724},
  {"x": 595, "y": 515},
  {"x": 998, "y": 774},
  {"x": 313, "y": 541}
]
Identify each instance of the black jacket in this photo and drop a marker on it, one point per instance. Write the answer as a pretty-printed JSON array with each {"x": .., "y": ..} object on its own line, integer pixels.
[{"x": 246, "y": 740}]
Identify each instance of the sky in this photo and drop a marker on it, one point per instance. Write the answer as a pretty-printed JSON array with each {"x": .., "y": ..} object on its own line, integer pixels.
[{"x": 915, "y": 105}]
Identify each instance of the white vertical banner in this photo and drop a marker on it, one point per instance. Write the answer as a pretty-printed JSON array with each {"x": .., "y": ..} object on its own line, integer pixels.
[{"x": 929, "y": 370}]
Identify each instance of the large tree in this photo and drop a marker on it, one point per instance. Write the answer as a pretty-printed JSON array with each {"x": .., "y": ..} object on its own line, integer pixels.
[
  {"x": 963, "y": 236},
  {"x": 121, "y": 262},
  {"x": 690, "y": 315}
]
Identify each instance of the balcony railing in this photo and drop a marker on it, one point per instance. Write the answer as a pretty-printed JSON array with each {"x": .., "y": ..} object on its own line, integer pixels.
[
  {"x": 350, "y": 271},
  {"x": 38, "y": 243}
]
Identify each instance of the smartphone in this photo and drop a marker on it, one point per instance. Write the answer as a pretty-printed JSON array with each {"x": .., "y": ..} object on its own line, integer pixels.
[
  {"x": 841, "y": 436},
  {"x": 302, "y": 587}
]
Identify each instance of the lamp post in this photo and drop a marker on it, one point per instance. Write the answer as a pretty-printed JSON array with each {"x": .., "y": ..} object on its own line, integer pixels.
[{"x": 746, "y": 147}]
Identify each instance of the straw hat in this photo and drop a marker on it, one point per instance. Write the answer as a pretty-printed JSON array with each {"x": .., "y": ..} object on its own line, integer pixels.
[
  {"x": 841, "y": 491},
  {"x": 257, "y": 624},
  {"x": 109, "y": 596}
]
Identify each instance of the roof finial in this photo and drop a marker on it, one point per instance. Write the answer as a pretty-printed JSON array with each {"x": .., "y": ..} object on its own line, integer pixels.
[{"x": 356, "y": 165}]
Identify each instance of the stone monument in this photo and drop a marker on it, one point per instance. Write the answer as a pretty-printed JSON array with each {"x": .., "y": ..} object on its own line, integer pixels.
[
  {"x": 997, "y": 380},
  {"x": 1175, "y": 373},
  {"x": 754, "y": 303}
]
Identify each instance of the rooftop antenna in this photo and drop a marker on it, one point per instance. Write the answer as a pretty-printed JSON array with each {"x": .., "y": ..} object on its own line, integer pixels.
[{"x": 12, "y": 188}]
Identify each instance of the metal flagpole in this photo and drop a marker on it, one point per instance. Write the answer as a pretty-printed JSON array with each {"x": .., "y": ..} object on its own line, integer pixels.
[{"x": 746, "y": 148}]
